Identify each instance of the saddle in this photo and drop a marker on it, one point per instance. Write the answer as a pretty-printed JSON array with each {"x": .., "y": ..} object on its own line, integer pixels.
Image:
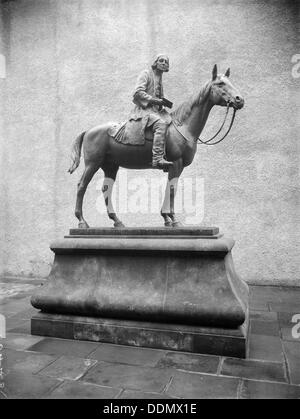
[{"x": 131, "y": 132}]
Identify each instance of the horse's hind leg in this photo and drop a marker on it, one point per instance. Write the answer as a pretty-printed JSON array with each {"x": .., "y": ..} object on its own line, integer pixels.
[
  {"x": 110, "y": 174},
  {"x": 87, "y": 176}
]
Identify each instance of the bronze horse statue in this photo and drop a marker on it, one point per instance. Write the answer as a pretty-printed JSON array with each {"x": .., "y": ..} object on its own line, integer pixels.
[{"x": 102, "y": 151}]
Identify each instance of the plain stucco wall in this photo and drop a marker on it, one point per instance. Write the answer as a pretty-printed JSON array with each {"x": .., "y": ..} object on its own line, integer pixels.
[{"x": 73, "y": 64}]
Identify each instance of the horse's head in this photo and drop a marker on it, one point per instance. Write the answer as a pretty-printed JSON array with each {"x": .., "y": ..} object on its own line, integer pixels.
[{"x": 222, "y": 91}]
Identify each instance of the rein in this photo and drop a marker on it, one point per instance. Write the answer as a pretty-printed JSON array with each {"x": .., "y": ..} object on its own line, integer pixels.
[{"x": 208, "y": 142}]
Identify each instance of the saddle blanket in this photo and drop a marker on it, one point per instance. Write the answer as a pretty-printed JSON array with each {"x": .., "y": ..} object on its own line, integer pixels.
[{"x": 131, "y": 133}]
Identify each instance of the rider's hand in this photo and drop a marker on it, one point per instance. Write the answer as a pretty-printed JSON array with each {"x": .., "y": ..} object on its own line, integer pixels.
[{"x": 156, "y": 101}]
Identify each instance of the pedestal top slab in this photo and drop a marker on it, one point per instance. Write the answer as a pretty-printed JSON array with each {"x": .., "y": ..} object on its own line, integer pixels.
[
  {"x": 192, "y": 231},
  {"x": 92, "y": 244}
]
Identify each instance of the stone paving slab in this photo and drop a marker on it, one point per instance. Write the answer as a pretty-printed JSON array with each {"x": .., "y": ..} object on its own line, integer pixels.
[
  {"x": 198, "y": 386},
  {"x": 264, "y": 316},
  {"x": 54, "y": 346},
  {"x": 286, "y": 333},
  {"x": 268, "y": 348},
  {"x": 190, "y": 362},
  {"x": 287, "y": 307},
  {"x": 81, "y": 390},
  {"x": 68, "y": 368},
  {"x": 266, "y": 328},
  {"x": 10, "y": 290},
  {"x": 129, "y": 377},
  {"x": 131, "y": 394},
  {"x": 256, "y": 370},
  {"x": 27, "y": 386},
  {"x": 14, "y": 306},
  {"x": 20, "y": 341},
  {"x": 292, "y": 351},
  {"x": 24, "y": 328},
  {"x": 127, "y": 355},
  {"x": 265, "y": 390},
  {"x": 285, "y": 319},
  {"x": 25, "y": 361},
  {"x": 275, "y": 294}
]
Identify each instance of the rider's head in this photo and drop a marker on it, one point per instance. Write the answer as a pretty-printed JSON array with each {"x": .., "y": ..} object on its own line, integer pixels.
[{"x": 161, "y": 63}]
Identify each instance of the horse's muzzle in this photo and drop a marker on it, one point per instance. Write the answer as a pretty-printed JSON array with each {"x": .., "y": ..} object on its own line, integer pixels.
[{"x": 237, "y": 103}]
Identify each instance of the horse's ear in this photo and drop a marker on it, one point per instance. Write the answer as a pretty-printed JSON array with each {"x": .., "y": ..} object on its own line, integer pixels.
[
  {"x": 215, "y": 72},
  {"x": 227, "y": 74}
]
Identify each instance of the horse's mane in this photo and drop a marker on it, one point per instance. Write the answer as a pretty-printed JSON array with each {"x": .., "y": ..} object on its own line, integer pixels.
[{"x": 185, "y": 109}]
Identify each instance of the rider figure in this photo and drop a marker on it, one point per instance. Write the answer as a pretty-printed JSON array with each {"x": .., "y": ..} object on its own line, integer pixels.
[{"x": 149, "y": 108}]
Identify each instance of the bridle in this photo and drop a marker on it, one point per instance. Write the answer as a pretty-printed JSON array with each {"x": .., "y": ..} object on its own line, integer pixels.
[{"x": 208, "y": 142}]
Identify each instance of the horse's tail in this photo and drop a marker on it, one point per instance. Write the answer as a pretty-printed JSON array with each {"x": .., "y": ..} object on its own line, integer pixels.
[{"x": 76, "y": 153}]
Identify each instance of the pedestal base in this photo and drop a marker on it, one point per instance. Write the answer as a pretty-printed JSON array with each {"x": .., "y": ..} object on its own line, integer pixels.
[
  {"x": 165, "y": 288},
  {"x": 212, "y": 341}
]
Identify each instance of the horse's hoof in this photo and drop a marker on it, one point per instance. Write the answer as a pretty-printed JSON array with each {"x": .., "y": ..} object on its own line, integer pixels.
[
  {"x": 83, "y": 224},
  {"x": 177, "y": 224},
  {"x": 119, "y": 224},
  {"x": 168, "y": 224}
]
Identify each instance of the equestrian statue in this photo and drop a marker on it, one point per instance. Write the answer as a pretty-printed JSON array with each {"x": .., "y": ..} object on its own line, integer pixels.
[{"x": 152, "y": 138}]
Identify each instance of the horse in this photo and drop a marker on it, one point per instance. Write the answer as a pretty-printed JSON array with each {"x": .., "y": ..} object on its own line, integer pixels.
[{"x": 101, "y": 150}]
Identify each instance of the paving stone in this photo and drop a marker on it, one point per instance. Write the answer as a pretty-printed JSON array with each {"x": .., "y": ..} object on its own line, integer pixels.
[
  {"x": 265, "y": 390},
  {"x": 22, "y": 328},
  {"x": 14, "y": 306},
  {"x": 198, "y": 386},
  {"x": 24, "y": 361},
  {"x": 292, "y": 352},
  {"x": 265, "y": 316},
  {"x": 287, "y": 307},
  {"x": 127, "y": 355},
  {"x": 275, "y": 294},
  {"x": 256, "y": 370},
  {"x": 129, "y": 377},
  {"x": 22, "y": 280},
  {"x": 285, "y": 319},
  {"x": 259, "y": 305},
  {"x": 130, "y": 394},
  {"x": 19, "y": 341},
  {"x": 13, "y": 324},
  {"x": 190, "y": 362},
  {"x": 287, "y": 334},
  {"x": 268, "y": 348},
  {"x": 80, "y": 349},
  {"x": 258, "y": 327},
  {"x": 13, "y": 290},
  {"x": 81, "y": 390},
  {"x": 28, "y": 386},
  {"x": 68, "y": 368},
  {"x": 26, "y": 314}
]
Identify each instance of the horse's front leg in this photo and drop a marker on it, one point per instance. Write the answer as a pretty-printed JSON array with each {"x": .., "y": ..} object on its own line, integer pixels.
[
  {"x": 87, "y": 176},
  {"x": 110, "y": 174},
  {"x": 168, "y": 211}
]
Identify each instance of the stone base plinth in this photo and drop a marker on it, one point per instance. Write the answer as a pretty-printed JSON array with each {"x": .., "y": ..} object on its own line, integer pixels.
[
  {"x": 160, "y": 279},
  {"x": 213, "y": 341}
]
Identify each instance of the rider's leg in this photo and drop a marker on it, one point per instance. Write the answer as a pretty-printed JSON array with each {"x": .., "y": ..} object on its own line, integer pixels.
[{"x": 159, "y": 130}]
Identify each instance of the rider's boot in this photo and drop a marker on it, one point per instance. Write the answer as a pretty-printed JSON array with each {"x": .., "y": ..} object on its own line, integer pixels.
[{"x": 158, "y": 161}]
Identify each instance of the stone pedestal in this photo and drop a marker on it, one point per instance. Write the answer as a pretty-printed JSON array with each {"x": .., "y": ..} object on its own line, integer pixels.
[{"x": 163, "y": 288}]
